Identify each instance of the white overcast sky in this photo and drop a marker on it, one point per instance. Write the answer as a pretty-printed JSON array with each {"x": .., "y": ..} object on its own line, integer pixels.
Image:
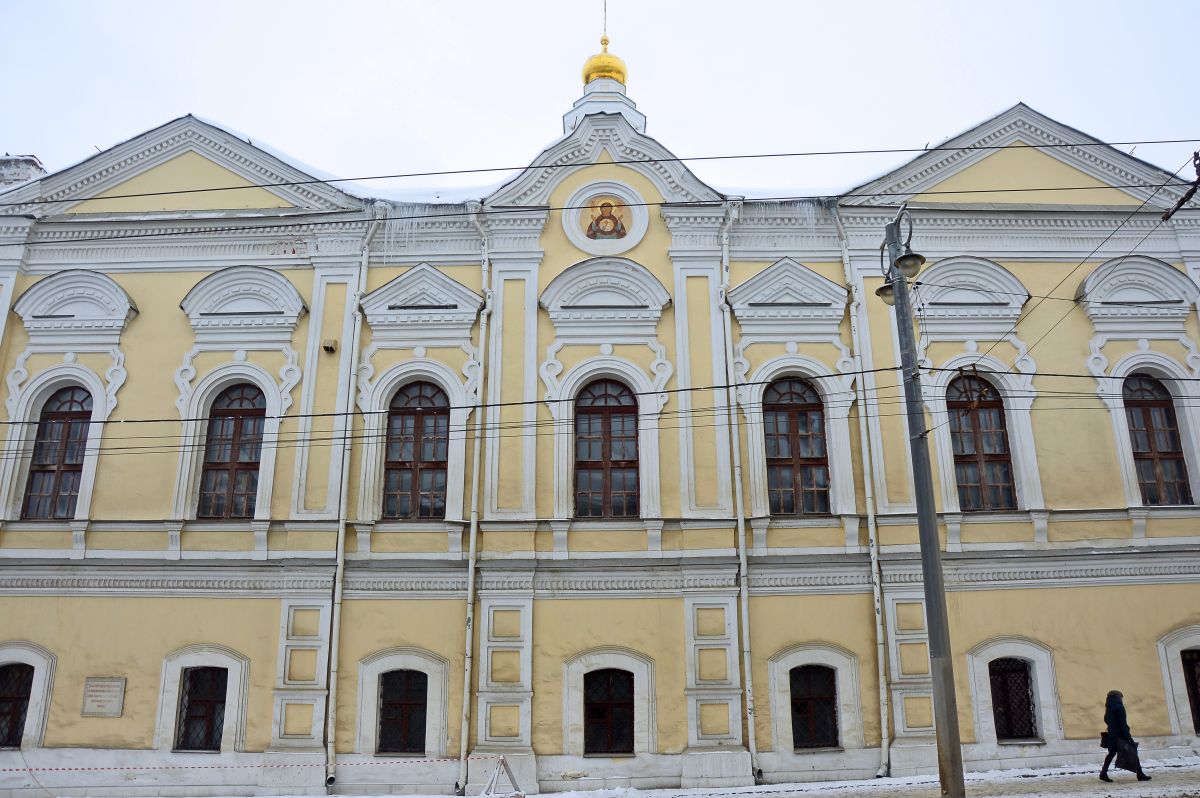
[{"x": 362, "y": 88}]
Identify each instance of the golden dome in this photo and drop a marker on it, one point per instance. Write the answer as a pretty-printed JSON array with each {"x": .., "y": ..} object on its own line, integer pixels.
[{"x": 604, "y": 65}]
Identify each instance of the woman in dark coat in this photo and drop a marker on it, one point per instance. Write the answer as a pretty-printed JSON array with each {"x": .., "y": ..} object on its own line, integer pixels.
[{"x": 1118, "y": 731}]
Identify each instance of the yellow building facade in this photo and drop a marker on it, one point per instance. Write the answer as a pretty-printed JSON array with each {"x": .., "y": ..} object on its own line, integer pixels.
[{"x": 602, "y": 470}]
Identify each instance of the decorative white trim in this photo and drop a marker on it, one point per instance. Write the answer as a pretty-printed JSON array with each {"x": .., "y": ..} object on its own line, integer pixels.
[
  {"x": 423, "y": 306},
  {"x": 233, "y": 733},
  {"x": 1138, "y": 297},
  {"x": 634, "y": 206},
  {"x": 790, "y": 298},
  {"x": 965, "y": 298},
  {"x": 43, "y": 663},
  {"x": 243, "y": 306},
  {"x": 645, "y": 727},
  {"x": 73, "y": 309},
  {"x": 844, "y": 664},
  {"x": 605, "y": 299},
  {"x": 1170, "y": 649},
  {"x": 371, "y": 668},
  {"x": 1041, "y": 671}
]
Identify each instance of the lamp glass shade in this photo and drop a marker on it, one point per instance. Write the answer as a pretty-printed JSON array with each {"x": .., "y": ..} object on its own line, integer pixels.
[
  {"x": 886, "y": 293},
  {"x": 910, "y": 263}
]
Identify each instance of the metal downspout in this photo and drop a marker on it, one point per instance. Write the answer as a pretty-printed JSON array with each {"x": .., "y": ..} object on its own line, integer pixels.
[
  {"x": 739, "y": 500},
  {"x": 864, "y": 441},
  {"x": 476, "y": 491},
  {"x": 335, "y": 616}
]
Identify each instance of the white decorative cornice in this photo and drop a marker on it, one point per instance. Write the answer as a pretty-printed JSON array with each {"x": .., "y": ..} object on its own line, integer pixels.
[
  {"x": 788, "y": 295},
  {"x": 605, "y": 297},
  {"x": 420, "y": 305},
  {"x": 243, "y": 304},
  {"x": 1137, "y": 297},
  {"x": 137, "y": 581},
  {"x": 967, "y": 298},
  {"x": 75, "y": 309},
  {"x": 1090, "y": 569}
]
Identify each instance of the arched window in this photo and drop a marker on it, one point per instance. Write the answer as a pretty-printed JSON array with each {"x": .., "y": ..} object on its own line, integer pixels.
[
  {"x": 403, "y": 698},
  {"x": 797, "y": 459},
  {"x": 982, "y": 460},
  {"x": 608, "y": 712},
  {"x": 606, "y": 451},
  {"x": 232, "y": 451},
  {"x": 1191, "y": 676},
  {"x": 201, "y": 716},
  {"x": 1154, "y": 434},
  {"x": 58, "y": 450},
  {"x": 418, "y": 435},
  {"x": 814, "y": 706},
  {"x": 1013, "y": 703},
  {"x": 16, "y": 683}
]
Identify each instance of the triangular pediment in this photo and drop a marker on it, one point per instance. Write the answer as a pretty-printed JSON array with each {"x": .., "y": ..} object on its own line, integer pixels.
[
  {"x": 999, "y": 161},
  {"x": 787, "y": 283},
  {"x": 595, "y": 137},
  {"x": 421, "y": 303},
  {"x": 184, "y": 165}
]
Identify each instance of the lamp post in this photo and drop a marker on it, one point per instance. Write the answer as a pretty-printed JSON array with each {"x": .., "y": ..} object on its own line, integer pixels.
[{"x": 904, "y": 264}]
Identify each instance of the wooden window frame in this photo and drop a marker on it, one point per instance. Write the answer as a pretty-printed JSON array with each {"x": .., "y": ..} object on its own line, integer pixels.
[
  {"x": 798, "y": 467},
  {"x": 240, "y": 418},
  {"x": 404, "y": 707},
  {"x": 607, "y": 709},
  {"x": 1139, "y": 407},
  {"x": 1003, "y": 705},
  {"x": 417, "y": 465},
  {"x": 15, "y": 705},
  {"x": 607, "y": 463},
  {"x": 212, "y": 715},
  {"x": 69, "y": 421},
  {"x": 804, "y": 716},
  {"x": 986, "y": 397}
]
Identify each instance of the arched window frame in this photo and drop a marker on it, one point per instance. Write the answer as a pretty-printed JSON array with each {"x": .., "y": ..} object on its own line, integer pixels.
[
  {"x": 645, "y": 729},
  {"x": 795, "y": 462},
  {"x": 1179, "y": 709},
  {"x": 436, "y": 670},
  {"x": 243, "y": 429},
  {"x": 970, "y": 409},
  {"x": 1138, "y": 407},
  {"x": 606, "y": 463},
  {"x": 845, "y": 665},
  {"x": 43, "y": 663},
  {"x": 1045, "y": 687},
  {"x": 61, "y": 462},
  {"x": 233, "y": 732}
]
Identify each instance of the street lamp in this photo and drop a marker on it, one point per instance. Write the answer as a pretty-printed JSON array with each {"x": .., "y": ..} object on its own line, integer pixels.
[{"x": 905, "y": 264}]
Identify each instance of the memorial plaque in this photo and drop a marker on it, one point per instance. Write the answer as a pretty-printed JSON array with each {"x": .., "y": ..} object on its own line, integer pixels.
[{"x": 103, "y": 696}]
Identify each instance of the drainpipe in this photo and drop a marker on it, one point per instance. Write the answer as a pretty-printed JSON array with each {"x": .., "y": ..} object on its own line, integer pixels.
[
  {"x": 378, "y": 212},
  {"x": 731, "y": 210},
  {"x": 476, "y": 492},
  {"x": 856, "y": 307}
]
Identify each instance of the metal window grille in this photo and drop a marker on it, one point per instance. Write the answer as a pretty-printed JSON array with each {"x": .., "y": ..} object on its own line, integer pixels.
[
  {"x": 814, "y": 706},
  {"x": 232, "y": 451},
  {"x": 1191, "y": 675},
  {"x": 402, "y": 708},
  {"x": 606, "y": 451},
  {"x": 797, "y": 458},
  {"x": 982, "y": 460},
  {"x": 1013, "y": 705},
  {"x": 418, "y": 437},
  {"x": 16, "y": 683},
  {"x": 58, "y": 450},
  {"x": 201, "y": 709},
  {"x": 608, "y": 712},
  {"x": 1157, "y": 448}
]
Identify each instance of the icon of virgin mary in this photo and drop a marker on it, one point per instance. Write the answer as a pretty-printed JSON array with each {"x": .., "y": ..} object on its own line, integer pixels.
[{"x": 606, "y": 224}]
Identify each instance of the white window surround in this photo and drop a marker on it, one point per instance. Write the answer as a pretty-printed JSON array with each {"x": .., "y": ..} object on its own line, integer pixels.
[
  {"x": 845, "y": 665},
  {"x": 837, "y": 397},
  {"x": 370, "y": 669},
  {"x": 233, "y": 733},
  {"x": 1137, "y": 297},
  {"x": 1170, "y": 649},
  {"x": 240, "y": 304},
  {"x": 374, "y": 398},
  {"x": 561, "y": 401},
  {"x": 1017, "y": 392},
  {"x": 1041, "y": 671},
  {"x": 645, "y": 728},
  {"x": 605, "y": 299},
  {"x": 967, "y": 298},
  {"x": 195, "y": 428},
  {"x": 1185, "y": 395},
  {"x": 43, "y": 662},
  {"x": 14, "y": 470}
]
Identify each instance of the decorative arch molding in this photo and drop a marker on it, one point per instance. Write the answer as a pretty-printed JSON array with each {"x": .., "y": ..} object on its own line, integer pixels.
[
  {"x": 1137, "y": 297},
  {"x": 600, "y": 298},
  {"x": 25, "y": 405},
  {"x": 837, "y": 396},
  {"x": 233, "y": 734},
  {"x": 243, "y": 303},
  {"x": 1170, "y": 649},
  {"x": 845, "y": 666},
  {"x": 1182, "y": 383},
  {"x": 1045, "y": 687},
  {"x": 43, "y": 663},
  {"x": 75, "y": 306},
  {"x": 194, "y": 412},
  {"x": 1017, "y": 390},
  {"x": 645, "y": 726},
  {"x": 963, "y": 298},
  {"x": 374, "y": 397},
  {"x": 436, "y": 670},
  {"x": 560, "y": 397}
]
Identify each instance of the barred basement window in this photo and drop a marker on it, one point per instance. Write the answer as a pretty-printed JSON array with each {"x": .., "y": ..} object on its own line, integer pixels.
[
  {"x": 982, "y": 460},
  {"x": 1191, "y": 676},
  {"x": 814, "y": 706},
  {"x": 232, "y": 451},
  {"x": 418, "y": 435},
  {"x": 608, "y": 712},
  {"x": 606, "y": 451},
  {"x": 1013, "y": 704},
  {"x": 201, "y": 709},
  {"x": 797, "y": 459},
  {"x": 58, "y": 450},
  {"x": 1157, "y": 449},
  {"x": 16, "y": 683},
  {"x": 403, "y": 696}
]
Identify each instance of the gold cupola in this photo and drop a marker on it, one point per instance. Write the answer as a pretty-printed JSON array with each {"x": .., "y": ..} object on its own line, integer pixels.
[{"x": 604, "y": 65}]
